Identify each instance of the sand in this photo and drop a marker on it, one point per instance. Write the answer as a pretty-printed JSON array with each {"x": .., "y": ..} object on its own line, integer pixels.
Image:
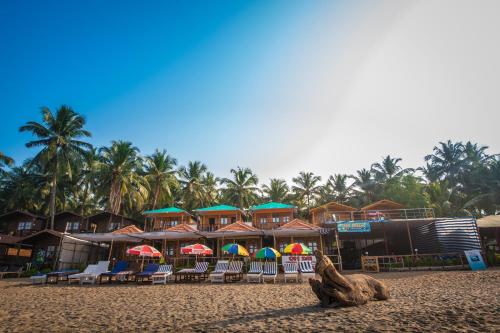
[{"x": 421, "y": 302}]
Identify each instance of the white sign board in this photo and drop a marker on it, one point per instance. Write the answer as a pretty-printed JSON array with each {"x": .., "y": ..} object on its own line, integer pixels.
[{"x": 287, "y": 259}]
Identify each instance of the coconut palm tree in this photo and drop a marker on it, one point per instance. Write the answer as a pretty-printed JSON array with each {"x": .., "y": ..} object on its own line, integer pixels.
[
  {"x": 341, "y": 190},
  {"x": 5, "y": 161},
  {"x": 193, "y": 189},
  {"x": 211, "y": 192},
  {"x": 448, "y": 160},
  {"x": 366, "y": 184},
  {"x": 388, "y": 169},
  {"x": 59, "y": 137},
  {"x": 160, "y": 174},
  {"x": 277, "y": 190},
  {"x": 120, "y": 173},
  {"x": 306, "y": 188},
  {"x": 242, "y": 190}
]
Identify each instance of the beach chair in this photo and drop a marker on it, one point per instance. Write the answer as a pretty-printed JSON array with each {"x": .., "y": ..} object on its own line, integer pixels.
[
  {"x": 217, "y": 275},
  {"x": 254, "y": 274},
  {"x": 162, "y": 274},
  {"x": 270, "y": 271},
  {"x": 199, "y": 272},
  {"x": 306, "y": 270},
  {"x": 234, "y": 272},
  {"x": 6, "y": 271},
  {"x": 76, "y": 277},
  {"x": 101, "y": 267},
  {"x": 150, "y": 269},
  {"x": 291, "y": 271},
  {"x": 120, "y": 266},
  {"x": 62, "y": 275}
]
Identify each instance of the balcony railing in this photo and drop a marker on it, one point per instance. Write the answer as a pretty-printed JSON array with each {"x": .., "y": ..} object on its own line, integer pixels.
[{"x": 376, "y": 215}]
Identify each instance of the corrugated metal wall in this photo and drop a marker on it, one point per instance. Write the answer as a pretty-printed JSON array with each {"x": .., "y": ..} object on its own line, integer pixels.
[{"x": 450, "y": 235}]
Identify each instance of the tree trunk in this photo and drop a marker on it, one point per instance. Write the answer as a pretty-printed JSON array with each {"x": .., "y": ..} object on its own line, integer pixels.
[
  {"x": 52, "y": 205},
  {"x": 335, "y": 289}
]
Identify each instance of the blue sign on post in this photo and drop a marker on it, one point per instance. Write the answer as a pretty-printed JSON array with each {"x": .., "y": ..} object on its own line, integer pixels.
[
  {"x": 354, "y": 227},
  {"x": 475, "y": 260}
]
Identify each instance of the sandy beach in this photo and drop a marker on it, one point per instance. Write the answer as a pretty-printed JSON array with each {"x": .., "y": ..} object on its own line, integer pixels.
[{"x": 423, "y": 302}]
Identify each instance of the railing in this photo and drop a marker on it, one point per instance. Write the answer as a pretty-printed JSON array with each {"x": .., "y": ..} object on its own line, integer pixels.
[
  {"x": 376, "y": 215},
  {"x": 433, "y": 261}
]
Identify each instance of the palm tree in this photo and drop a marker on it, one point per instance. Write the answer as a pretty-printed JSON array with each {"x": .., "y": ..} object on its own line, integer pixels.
[
  {"x": 5, "y": 161},
  {"x": 306, "y": 188},
  {"x": 120, "y": 173},
  {"x": 59, "y": 136},
  {"x": 447, "y": 159},
  {"x": 341, "y": 190},
  {"x": 86, "y": 193},
  {"x": 277, "y": 190},
  {"x": 193, "y": 189},
  {"x": 388, "y": 169},
  {"x": 241, "y": 190},
  {"x": 211, "y": 192},
  {"x": 160, "y": 174}
]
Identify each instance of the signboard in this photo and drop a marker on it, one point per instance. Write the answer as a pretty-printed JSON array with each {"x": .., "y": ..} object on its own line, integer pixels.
[
  {"x": 475, "y": 260},
  {"x": 287, "y": 259},
  {"x": 358, "y": 226}
]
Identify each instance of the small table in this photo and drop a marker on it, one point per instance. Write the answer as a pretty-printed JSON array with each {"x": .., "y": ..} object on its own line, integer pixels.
[{"x": 39, "y": 279}]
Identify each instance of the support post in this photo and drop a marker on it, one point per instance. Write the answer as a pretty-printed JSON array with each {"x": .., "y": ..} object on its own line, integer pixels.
[{"x": 409, "y": 237}]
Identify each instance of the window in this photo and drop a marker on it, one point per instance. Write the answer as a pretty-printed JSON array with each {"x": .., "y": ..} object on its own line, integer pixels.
[
  {"x": 276, "y": 219},
  {"x": 224, "y": 220},
  {"x": 73, "y": 226},
  {"x": 51, "y": 251},
  {"x": 282, "y": 246},
  {"x": 173, "y": 223},
  {"x": 313, "y": 245},
  {"x": 286, "y": 219},
  {"x": 24, "y": 225},
  {"x": 114, "y": 225},
  {"x": 252, "y": 248},
  {"x": 169, "y": 250},
  {"x": 263, "y": 220}
]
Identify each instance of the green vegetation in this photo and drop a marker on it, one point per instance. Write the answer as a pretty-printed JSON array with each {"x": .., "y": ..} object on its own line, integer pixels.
[{"x": 67, "y": 173}]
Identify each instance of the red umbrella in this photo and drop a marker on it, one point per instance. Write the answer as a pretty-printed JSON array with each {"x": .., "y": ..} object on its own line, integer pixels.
[
  {"x": 197, "y": 249},
  {"x": 144, "y": 251}
]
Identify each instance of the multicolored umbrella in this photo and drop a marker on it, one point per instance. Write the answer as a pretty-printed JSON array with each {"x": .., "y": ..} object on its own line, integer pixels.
[
  {"x": 235, "y": 249},
  {"x": 267, "y": 253},
  {"x": 144, "y": 251},
  {"x": 197, "y": 249},
  {"x": 297, "y": 248}
]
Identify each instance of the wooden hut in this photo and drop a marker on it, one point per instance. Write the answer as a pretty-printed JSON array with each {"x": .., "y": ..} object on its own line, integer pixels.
[
  {"x": 272, "y": 215},
  {"x": 164, "y": 218},
  {"x": 215, "y": 217}
]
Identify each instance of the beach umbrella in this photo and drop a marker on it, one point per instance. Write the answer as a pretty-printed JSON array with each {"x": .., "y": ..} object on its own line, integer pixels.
[
  {"x": 267, "y": 253},
  {"x": 297, "y": 248},
  {"x": 235, "y": 249},
  {"x": 197, "y": 249},
  {"x": 144, "y": 251}
]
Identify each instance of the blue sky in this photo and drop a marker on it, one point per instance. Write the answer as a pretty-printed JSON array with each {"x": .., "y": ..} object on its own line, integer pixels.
[{"x": 278, "y": 86}]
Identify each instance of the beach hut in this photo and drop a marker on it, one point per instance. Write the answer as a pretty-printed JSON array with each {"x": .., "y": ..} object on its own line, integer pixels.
[
  {"x": 164, "y": 218},
  {"x": 272, "y": 215},
  {"x": 215, "y": 217},
  {"x": 242, "y": 233}
]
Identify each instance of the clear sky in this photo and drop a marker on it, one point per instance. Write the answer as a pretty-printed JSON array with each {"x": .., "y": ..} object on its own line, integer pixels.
[{"x": 278, "y": 86}]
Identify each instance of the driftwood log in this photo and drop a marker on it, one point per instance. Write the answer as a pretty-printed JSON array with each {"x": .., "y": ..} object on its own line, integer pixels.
[{"x": 335, "y": 289}]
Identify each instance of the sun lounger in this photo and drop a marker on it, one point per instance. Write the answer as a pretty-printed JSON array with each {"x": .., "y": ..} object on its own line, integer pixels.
[
  {"x": 254, "y": 274},
  {"x": 120, "y": 266},
  {"x": 17, "y": 272},
  {"x": 62, "y": 275},
  {"x": 270, "y": 271},
  {"x": 291, "y": 271},
  {"x": 217, "y": 275},
  {"x": 199, "y": 272},
  {"x": 234, "y": 272},
  {"x": 101, "y": 267},
  {"x": 39, "y": 278},
  {"x": 306, "y": 270},
  {"x": 76, "y": 277},
  {"x": 150, "y": 269},
  {"x": 162, "y": 275}
]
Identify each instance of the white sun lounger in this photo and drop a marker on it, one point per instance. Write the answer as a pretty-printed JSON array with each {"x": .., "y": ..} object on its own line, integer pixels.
[
  {"x": 270, "y": 271},
  {"x": 162, "y": 275},
  {"x": 88, "y": 270},
  {"x": 291, "y": 271},
  {"x": 234, "y": 272},
  {"x": 101, "y": 267},
  {"x": 254, "y": 274},
  {"x": 217, "y": 275},
  {"x": 306, "y": 270}
]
